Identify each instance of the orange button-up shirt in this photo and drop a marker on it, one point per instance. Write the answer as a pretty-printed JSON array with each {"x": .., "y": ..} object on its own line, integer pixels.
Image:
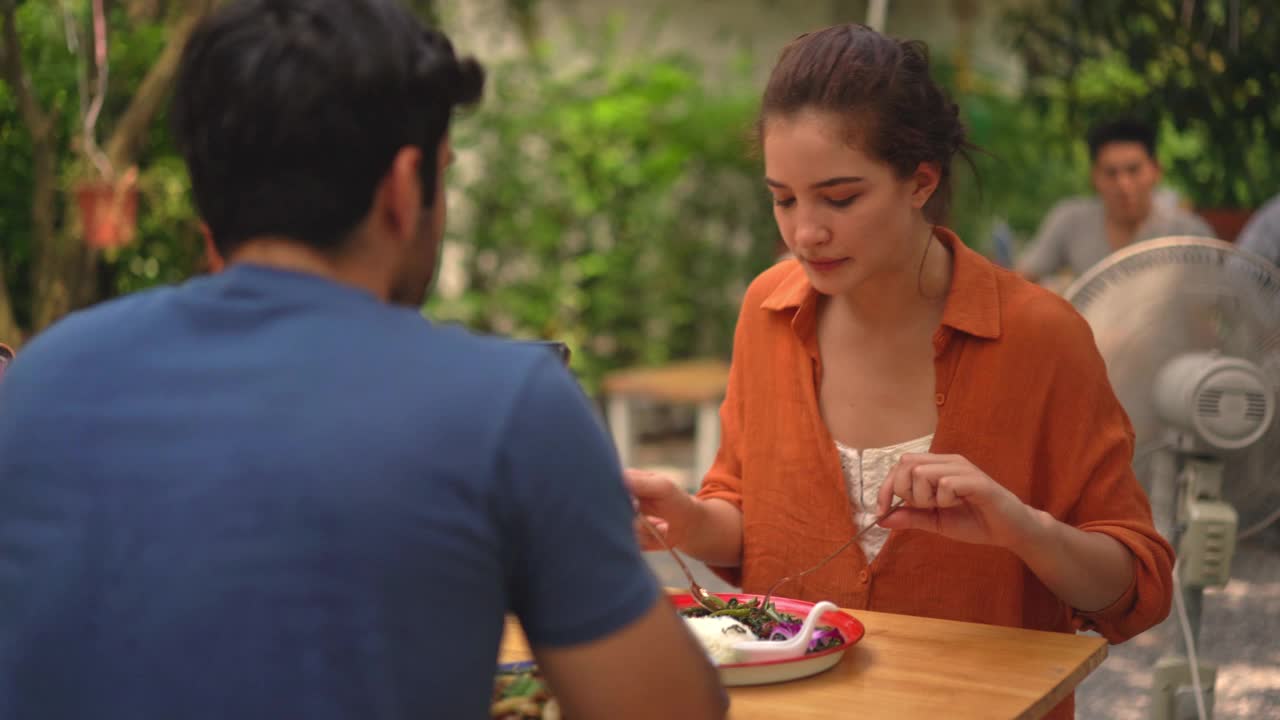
[{"x": 1022, "y": 393}]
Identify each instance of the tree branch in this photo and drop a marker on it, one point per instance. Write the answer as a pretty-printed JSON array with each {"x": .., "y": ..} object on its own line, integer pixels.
[
  {"x": 133, "y": 125},
  {"x": 66, "y": 278}
]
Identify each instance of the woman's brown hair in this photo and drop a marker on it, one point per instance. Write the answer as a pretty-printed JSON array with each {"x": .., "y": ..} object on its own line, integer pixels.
[{"x": 881, "y": 87}]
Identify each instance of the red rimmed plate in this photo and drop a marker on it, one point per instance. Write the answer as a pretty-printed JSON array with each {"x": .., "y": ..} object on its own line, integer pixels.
[{"x": 762, "y": 673}]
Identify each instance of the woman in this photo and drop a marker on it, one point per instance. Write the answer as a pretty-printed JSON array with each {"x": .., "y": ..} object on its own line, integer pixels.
[{"x": 887, "y": 359}]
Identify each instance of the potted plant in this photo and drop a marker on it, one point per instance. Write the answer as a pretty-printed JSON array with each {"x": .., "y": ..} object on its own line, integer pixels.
[{"x": 108, "y": 208}]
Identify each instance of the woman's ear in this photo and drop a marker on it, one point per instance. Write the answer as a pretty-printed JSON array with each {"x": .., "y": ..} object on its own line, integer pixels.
[{"x": 924, "y": 183}]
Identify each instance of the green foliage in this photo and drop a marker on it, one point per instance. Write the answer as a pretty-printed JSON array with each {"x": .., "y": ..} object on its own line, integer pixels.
[
  {"x": 616, "y": 208},
  {"x": 167, "y": 247},
  {"x": 1028, "y": 161},
  {"x": 1208, "y": 79}
]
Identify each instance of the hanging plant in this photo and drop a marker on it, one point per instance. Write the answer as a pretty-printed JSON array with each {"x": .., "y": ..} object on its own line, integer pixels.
[
  {"x": 108, "y": 204},
  {"x": 109, "y": 210}
]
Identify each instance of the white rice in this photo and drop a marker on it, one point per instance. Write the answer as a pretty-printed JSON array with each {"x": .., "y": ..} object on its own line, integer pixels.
[{"x": 718, "y": 635}]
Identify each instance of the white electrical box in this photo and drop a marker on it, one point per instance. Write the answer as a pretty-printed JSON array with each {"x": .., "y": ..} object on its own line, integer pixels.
[{"x": 1207, "y": 544}]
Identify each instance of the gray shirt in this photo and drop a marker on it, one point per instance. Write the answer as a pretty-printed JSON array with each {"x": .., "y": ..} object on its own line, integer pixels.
[
  {"x": 1262, "y": 234},
  {"x": 1074, "y": 235}
]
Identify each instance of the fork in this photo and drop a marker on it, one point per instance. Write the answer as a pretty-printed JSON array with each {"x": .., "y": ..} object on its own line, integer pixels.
[
  {"x": 700, "y": 595},
  {"x": 892, "y": 509}
]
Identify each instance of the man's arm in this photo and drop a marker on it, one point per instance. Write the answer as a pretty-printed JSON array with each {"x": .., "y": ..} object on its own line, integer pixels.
[
  {"x": 609, "y": 642},
  {"x": 1045, "y": 254},
  {"x": 652, "y": 668}
]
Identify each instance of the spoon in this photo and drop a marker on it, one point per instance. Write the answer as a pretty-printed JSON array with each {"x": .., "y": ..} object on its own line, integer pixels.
[{"x": 700, "y": 595}]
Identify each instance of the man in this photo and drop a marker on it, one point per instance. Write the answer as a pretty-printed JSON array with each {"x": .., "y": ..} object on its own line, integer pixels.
[
  {"x": 1079, "y": 232},
  {"x": 276, "y": 491},
  {"x": 1262, "y": 234}
]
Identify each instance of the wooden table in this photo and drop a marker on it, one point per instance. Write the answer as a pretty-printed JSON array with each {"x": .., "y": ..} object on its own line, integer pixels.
[{"x": 909, "y": 667}]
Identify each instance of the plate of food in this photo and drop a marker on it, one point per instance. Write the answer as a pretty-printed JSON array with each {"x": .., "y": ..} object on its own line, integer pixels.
[
  {"x": 743, "y": 618},
  {"x": 519, "y": 693}
]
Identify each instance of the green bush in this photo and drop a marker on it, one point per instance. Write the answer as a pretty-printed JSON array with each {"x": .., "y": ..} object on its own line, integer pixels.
[
  {"x": 1028, "y": 160},
  {"x": 1207, "y": 73},
  {"x": 617, "y": 208}
]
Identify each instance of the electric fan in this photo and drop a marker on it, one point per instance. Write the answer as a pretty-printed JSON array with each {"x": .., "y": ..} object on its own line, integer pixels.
[{"x": 1189, "y": 328}]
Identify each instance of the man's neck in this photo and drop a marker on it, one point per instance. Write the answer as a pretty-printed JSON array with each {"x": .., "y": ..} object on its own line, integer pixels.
[{"x": 285, "y": 254}]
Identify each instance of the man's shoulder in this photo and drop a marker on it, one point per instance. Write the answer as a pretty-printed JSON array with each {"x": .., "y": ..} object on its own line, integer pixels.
[
  {"x": 470, "y": 352},
  {"x": 1180, "y": 221},
  {"x": 1065, "y": 219},
  {"x": 93, "y": 329},
  {"x": 1076, "y": 208}
]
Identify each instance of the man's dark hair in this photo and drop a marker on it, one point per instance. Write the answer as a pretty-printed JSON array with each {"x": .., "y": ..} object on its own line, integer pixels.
[
  {"x": 289, "y": 112},
  {"x": 1123, "y": 130}
]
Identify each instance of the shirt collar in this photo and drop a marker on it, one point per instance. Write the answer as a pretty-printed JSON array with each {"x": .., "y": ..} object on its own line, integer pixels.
[{"x": 973, "y": 302}]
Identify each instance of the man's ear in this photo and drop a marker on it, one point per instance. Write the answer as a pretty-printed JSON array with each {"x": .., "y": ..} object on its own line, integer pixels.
[
  {"x": 399, "y": 201},
  {"x": 212, "y": 257}
]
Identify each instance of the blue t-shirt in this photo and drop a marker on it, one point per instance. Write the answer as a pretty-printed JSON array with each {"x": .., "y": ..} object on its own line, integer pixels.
[{"x": 264, "y": 495}]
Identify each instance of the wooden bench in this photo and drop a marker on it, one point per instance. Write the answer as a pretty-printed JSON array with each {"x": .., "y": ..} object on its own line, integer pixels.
[{"x": 700, "y": 383}]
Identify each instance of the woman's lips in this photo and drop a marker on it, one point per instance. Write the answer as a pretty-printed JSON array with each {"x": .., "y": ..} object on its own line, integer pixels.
[{"x": 823, "y": 265}]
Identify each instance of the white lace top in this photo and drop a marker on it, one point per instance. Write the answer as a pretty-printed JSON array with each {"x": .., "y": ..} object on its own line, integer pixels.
[{"x": 864, "y": 473}]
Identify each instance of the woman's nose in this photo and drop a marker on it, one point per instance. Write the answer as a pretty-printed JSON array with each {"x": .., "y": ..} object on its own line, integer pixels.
[{"x": 811, "y": 234}]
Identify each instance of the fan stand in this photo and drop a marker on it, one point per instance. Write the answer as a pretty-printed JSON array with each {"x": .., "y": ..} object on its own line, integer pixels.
[{"x": 1188, "y": 510}]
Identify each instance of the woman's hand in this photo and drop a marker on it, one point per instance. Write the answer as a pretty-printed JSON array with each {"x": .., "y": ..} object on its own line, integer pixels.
[
  {"x": 670, "y": 509},
  {"x": 948, "y": 495}
]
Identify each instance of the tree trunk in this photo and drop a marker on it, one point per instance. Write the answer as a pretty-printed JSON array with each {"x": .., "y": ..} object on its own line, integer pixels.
[
  {"x": 65, "y": 266},
  {"x": 44, "y": 154},
  {"x": 154, "y": 90},
  {"x": 10, "y": 333}
]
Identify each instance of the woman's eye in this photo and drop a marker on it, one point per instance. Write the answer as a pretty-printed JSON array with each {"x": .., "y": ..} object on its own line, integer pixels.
[
  {"x": 784, "y": 202},
  {"x": 842, "y": 202}
]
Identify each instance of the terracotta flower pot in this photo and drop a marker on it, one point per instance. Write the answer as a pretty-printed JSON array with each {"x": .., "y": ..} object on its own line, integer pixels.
[
  {"x": 1226, "y": 222},
  {"x": 108, "y": 213}
]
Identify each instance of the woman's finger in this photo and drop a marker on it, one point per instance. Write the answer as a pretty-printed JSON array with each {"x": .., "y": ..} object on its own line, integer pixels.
[
  {"x": 946, "y": 495},
  {"x": 922, "y": 490},
  {"x": 646, "y": 536},
  {"x": 902, "y": 484},
  {"x": 884, "y": 499}
]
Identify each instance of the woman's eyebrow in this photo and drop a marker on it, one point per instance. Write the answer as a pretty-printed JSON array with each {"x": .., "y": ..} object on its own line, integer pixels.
[{"x": 829, "y": 182}]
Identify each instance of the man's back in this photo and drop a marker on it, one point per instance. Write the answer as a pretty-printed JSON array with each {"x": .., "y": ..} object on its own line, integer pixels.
[{"x": 264, "y": 494}]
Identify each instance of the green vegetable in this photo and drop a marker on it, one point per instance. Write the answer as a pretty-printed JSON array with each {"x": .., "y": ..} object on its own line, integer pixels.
[
  {"x": 716, "y": 602},
  {"x": 524, "y": 686}
]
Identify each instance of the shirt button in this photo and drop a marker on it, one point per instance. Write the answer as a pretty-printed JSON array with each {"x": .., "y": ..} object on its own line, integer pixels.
[
  {"x": 939, "y": 398},
  {"x": 863, "y": 577}
]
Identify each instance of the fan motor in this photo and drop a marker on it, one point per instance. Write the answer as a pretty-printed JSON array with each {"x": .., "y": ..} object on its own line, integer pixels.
[{"x": 1224, "y": 401}]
